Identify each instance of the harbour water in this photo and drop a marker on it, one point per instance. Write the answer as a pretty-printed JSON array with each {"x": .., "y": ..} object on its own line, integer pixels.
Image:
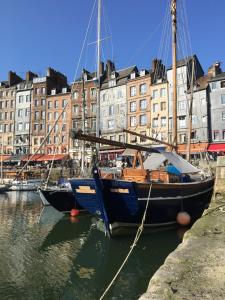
[{"x": 47, "y": 255}]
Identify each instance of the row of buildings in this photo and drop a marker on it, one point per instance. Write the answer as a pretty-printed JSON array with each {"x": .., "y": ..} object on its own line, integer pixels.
[{"x": 41, "y": 111}]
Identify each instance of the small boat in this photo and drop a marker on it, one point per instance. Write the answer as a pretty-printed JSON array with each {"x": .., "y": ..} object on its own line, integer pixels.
[
  {"x": 25, "y": 185},
  {"x": 4, "y": 187}
]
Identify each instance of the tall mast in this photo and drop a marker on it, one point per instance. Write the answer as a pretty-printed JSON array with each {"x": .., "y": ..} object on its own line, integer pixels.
[
  {"x": 83, "y": 122},
  {"x": 174, "y": 59},
  {"x": 98, "y": 74}
]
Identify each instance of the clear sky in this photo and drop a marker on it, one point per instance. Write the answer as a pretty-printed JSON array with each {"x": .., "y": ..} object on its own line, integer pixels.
[{"x": 38, "y": 34}]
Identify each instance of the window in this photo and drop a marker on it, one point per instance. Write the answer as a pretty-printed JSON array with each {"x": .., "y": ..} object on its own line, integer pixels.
[
  {"x": 27, "y": 126},
  {"x": 20, "y": 111},
  {"x": 112, "y": 83},
  {"x": 223, "y": 99},
  {"x": 182, "y": 121},
  {"x": 222, "y": 84},
  {"x": 223, "y": 134},
  {"x": 20, "y": 127},
  {"x": 223, "y": 115},
  {"x": 180, "y": 90},
  {"x": 63, "y": 139},
  {"x": 93, "y": 93},
  {"x": 111, "y": 110},
  {"x": 64, "y": 102},
  {"x": 133, "y": 106},
  {"x": 6, "y": 128},
  {"x": 56, "y": 128},
  {"x": 27, "y": 112},
  {"x": 133, "y": 138},
  {"x": 64, "y": 115},
  {"x": 216, "y": 135},
  {"x": 35, "y": 127},
  {"x": 214, "y": 85},
  {"x": 75, "y": 124},
  {"x": 36, "y": 115},
  {"x": 56, "y": 103},
  {"x": 36, "y": 102},
  {"x": 49, "y": 104},
  {"x": 64, "y": 127},
  {"x": 111, "y": 124},
  {"x": 53, "y": 91},
  {"x": 35, "y": 141},
  {"x": 42, "y": 127},
  {"x": 1, "y": 104},
  {"x": 162, "y": 92},
  {"x": 6, "y": 104},
  {"x": 155, "y": 107},
  {"x": 42, "y": 102},
  {"x": 133, "y": 91},
  {"x": 163, "y": 121},
  {"x": 43, "y": 115},
  {"x": 112, "y": 137},
  {"x": 11, "y": 103},
  {"x": 181, "y": 105},
  {"x": 155, "y": 94},
  {"x": 143, "y": 120},
  {"x": 133, "y": 121},
  {"x": 163, "y": 105},
  {"x": 121, "y": 139},
  {"x": 93, "y": 107},
  {"x": 75, "y": 95},
  {"x": 155, "y": 122},
  {"x": 141, "y": 138},
  {"x": 194, "y": 119},
  {"x": 93, "y": 124},
  {"x": 182, "y": 138},
  {"x": 1, "y": 127},
  {"x": 1, "y": 116},
  {"x": 142, "y": 73},
  {"x": 56, "y": 115},
  {"x": 27, "y": 98},
  {"x": 76, "y": 109},
  {"x": 11, "y": 127},
  {"x": 119, "y": 94},
  {"x": 104, "y": 97},
  {"x": 143, "y": 104},
  {"x": 43, "y": 90},
  {"x": 132, "y": 75},
  {"x": 20, "y": 99},
  {"x": 6, "y": 116},
  {"x": 143, "y": 88},
  {"x": 49, "y": 116}
]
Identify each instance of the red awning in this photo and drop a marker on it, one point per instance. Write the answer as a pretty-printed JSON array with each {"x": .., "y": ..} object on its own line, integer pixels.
[
  {"x": 217, "y": 147},
  {"x": 45, "y": 157},
  {"x": 4, "y": 157}
]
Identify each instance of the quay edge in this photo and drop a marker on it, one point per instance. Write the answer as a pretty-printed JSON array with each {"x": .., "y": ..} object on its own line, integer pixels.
[{"x": 196, "y": 269}]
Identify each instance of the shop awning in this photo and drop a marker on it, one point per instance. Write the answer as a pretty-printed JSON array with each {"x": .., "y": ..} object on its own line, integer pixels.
[
  {"x": 45, "y": 157},
  {"x": 5, "y": 157},
  {"x": 195, "y": 148},
  {"x": 217, "y": 147},
  {"x": 111, "y": 151}
]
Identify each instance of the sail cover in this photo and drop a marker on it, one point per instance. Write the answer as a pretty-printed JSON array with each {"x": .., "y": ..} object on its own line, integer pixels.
[{"x": 155, "y": 160}]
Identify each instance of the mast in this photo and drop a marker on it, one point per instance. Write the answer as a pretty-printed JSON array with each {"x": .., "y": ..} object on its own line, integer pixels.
[
  {"x": 190, "y": 113},
  {"x": 98, "y": 75},
  {"x": 83, "y": 122},
  {"x": 174, "y": 59}
]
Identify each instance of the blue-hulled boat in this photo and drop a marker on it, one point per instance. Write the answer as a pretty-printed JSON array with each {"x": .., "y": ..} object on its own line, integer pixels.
[{"x": 122, "y": 203}]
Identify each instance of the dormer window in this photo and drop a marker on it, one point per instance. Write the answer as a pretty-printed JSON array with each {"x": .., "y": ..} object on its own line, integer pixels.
[
  {"x": 132, "y": 75},
  {"x": 85, "y": 77},
  {"x": 113, "y": 75},
  {"x": 53, "y": 92},
  {"x": 142, "y": 72},
  {"x": 112, "y": 83},
  {"x": 64, "y": 90}
]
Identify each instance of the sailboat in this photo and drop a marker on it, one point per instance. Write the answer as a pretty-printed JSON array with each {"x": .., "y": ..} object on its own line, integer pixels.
[{"x": 169, "y": 197}]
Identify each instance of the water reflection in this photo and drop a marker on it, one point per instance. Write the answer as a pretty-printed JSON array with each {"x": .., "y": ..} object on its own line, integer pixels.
[{"x": 45, "y": 255}]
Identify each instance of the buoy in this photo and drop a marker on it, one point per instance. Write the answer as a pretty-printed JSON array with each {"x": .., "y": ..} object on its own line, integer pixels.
[
  {"x": 74, "y": 212},
  {"x": 183, "y": 218}
]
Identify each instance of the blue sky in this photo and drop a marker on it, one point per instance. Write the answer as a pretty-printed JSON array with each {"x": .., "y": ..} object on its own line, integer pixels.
[{"x": 43, "y": 33}]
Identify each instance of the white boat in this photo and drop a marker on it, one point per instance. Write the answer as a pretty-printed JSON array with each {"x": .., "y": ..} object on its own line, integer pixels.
[{"x": 26, "y": 185}]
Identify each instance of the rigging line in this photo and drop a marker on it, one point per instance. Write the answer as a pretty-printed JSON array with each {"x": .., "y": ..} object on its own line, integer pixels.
[
  {"x": 137, "y": 236},
  {"x": 145, "y": 42},
  {"x": 160, "y": 51},
  {"x": 108, "y": 32},
  {"x": 187, "y": 24}
]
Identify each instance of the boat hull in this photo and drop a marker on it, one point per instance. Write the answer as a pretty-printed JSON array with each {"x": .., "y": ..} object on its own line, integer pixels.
[
  {"x": 61, "y": 199},
  {"x": 124, "y": 202}
]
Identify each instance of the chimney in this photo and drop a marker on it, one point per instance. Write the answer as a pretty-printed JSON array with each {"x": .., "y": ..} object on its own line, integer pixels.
[
  {"x": 214, "y": 70},
  {"x": 101, "y": 67},
  {"x": 154, "y": 64},
  {"x": 30, "y": 75},
  {"x": 13, "y": 78},
  {"x": 110, "y": 67}
]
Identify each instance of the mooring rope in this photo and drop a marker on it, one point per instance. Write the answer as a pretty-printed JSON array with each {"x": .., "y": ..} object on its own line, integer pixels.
[{"x": 137, "y": 236}]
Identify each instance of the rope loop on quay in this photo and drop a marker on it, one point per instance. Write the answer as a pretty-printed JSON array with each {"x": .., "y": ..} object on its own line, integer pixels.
[{"x": 137, "y": 236}]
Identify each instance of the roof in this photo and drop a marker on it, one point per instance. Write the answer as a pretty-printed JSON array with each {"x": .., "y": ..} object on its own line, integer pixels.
[
  {"x": 220, "y": 76},
  {"x": 201, "y": 84},
  {"x": 184, "y": 61},
  {"x": 45, "y": 157}
]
